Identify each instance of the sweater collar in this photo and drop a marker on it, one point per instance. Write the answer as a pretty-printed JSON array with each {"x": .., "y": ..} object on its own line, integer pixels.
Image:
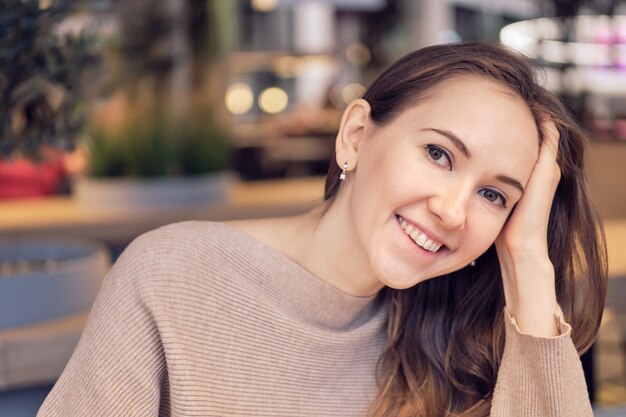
[{"x": 300, "y": 292}]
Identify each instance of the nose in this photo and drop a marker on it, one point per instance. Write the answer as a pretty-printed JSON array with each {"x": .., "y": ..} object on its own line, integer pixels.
[{"x": 450, "y": 206}]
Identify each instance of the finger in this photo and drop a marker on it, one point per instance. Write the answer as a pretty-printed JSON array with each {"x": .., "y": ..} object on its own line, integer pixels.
[
  {"x": 547, "y": 166},
  {"x": 546, "y": 173},
  {"x": 551, "y": 137}
]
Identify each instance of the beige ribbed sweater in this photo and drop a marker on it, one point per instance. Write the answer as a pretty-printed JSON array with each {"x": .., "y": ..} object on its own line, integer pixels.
[{"x": 201, "y": 319}]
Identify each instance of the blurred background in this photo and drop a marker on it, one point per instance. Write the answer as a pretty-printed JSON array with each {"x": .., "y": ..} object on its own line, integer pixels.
[{"x": 117, "y": 117}]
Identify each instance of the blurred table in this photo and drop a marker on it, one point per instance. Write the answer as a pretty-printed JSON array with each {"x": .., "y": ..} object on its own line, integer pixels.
[
  {"x": 616, "y": 243},
  {"x": 63, "y": 216}
]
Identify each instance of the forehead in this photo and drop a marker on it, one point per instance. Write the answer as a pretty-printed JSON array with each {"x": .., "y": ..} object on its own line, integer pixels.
[{"x": 493, "y": 121}]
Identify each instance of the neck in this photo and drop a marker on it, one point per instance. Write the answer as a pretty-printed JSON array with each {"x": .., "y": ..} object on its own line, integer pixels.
[{"x": 331, "y": 250}]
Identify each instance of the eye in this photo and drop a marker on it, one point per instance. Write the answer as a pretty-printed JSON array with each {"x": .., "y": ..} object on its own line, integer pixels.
[
  {"x": 439, "y": 156},
  {"x": 493, "y": 197}
]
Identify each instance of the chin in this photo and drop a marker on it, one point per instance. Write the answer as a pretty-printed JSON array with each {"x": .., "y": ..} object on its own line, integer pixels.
[{"x": 403, "y": 283}]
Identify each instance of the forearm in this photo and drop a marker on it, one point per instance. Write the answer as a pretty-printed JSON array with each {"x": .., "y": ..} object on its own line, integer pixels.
[{"x": 529, "y": 290}]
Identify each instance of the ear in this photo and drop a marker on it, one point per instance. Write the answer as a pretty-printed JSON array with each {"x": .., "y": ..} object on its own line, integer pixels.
[{"x": 351, "y": 132}]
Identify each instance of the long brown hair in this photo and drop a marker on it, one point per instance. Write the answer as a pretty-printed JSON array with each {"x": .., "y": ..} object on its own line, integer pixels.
[{"x": 446, "y": 335}]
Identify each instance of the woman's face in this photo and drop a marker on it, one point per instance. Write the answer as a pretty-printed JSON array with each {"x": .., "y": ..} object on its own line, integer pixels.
[{"x": 433, "y": 188}]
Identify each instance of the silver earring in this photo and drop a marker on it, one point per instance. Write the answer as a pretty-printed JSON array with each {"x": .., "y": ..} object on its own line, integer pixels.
[
  {"x": 473, "y": 263},
  {"x": 342, "y": 176}
]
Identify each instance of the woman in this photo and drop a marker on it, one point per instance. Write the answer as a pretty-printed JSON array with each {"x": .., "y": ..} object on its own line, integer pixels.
[{"x": 455, "y": 267}]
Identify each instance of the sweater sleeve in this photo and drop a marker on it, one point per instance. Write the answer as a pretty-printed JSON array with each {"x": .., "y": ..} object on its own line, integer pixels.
[
  {"x": 540, "y": 376},
  {"x": 118, "y": 367}
]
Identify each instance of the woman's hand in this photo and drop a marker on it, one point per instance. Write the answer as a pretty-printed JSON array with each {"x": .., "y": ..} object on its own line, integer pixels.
[{"x": 522, "y": 246}]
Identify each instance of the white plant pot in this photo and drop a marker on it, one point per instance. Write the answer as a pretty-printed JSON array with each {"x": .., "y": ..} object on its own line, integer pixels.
[
  {"x": 47, "y": 287},
  {"x": 45, "y": 278},
  {"x": 166, "y": 191}
]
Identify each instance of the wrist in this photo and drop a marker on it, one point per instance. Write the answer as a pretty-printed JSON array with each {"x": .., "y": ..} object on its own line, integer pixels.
[
  {"x": 527, "y": 278},
  {"x": 545, "y": 327},
  {"x": 537, "y": 321},
  {"x": 530, "y": 294}
]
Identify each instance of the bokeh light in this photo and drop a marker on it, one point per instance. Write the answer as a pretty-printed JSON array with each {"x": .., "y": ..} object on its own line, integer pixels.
[
  {"x": 239, "y": 98},
  {"x": 273, "y": 100},
  {"x": 264, "y": 5},
  {"x": 45, "y": 4},
  {"x": 358, "y": 54},
  {"x": 352, "y": 91}
]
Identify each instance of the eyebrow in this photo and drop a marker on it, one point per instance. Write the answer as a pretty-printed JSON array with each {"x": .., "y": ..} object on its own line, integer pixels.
[
  {"x": 453, "y": 138},
  {"x": 511, "y": 181},
  {"x": 463, "y": 149}
]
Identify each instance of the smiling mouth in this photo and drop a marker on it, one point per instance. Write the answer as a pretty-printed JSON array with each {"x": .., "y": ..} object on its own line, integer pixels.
[{"x": 420, "y": 238}]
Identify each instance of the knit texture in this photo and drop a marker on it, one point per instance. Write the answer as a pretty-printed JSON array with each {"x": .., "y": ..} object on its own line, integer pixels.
[
  {"x": 540, "y": 376},
  {"x": 201, "y": 319}
]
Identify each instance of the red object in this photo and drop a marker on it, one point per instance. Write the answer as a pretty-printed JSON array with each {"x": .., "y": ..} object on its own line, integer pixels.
[{"x": 22, "y": 178}]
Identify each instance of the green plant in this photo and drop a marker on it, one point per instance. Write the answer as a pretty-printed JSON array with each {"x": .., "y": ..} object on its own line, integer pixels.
[
  {"x": 202, "y": 148},
  {"x": 39, "y": 77},
  {"x": 160, "y": 146}
]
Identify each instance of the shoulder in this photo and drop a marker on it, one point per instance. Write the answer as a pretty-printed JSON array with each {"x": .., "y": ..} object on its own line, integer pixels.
[
  {"x": 188, "y": 253},
  {"x": 187, "y": 240},
  {"x": 191, "y": 231}
]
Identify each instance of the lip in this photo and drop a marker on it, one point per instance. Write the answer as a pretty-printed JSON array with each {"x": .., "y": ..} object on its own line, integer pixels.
[{"x": 427, "y": 232}]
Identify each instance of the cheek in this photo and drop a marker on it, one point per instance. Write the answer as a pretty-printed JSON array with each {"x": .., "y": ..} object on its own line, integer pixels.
[
  {"x": 483, "y": 233},
  {"x": 383, "y": 179}
]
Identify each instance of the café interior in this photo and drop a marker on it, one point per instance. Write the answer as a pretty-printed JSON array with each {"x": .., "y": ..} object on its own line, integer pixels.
[{"x": 127, "y": 116}]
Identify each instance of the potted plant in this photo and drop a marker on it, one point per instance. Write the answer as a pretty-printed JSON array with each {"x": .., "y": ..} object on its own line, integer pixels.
[
  {"x": 157, "y": 139},
  {"x": 41, "y": 110},
  {"x": 150, "y": 156}
]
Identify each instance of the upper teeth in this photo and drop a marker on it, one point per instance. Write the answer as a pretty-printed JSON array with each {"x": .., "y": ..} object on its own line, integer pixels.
[{"x": 420, "y": 237}]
